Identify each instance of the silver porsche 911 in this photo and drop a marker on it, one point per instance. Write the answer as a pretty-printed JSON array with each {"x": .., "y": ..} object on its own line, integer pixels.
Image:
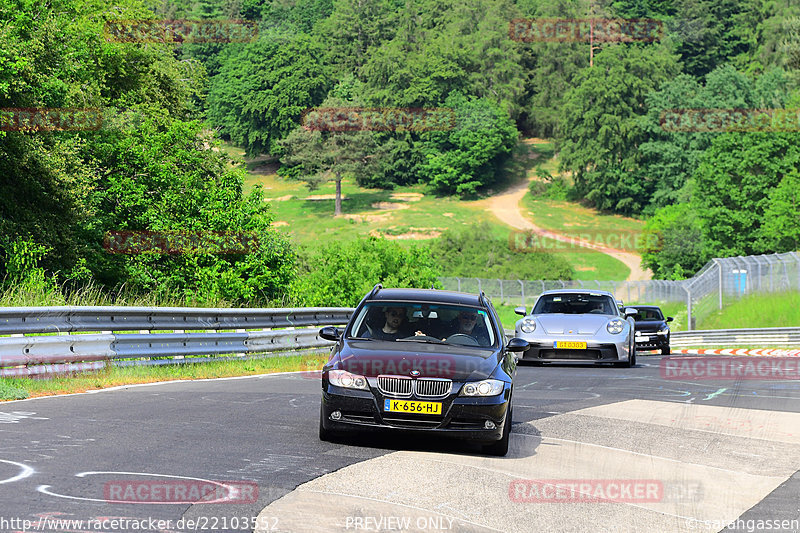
[{"x": 574, "y": 325}]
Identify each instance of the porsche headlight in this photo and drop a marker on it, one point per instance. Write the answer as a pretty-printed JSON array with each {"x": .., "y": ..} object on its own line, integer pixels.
[
  {"x": 528, "y": 325},
  {"x": 343, "y": 378},
  {"x": 487, "y": 387},
  {"x": 615, "y": 326}
]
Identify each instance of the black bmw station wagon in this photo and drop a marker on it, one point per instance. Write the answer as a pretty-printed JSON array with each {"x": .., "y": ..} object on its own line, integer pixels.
[{"x": 421, "y": 360}]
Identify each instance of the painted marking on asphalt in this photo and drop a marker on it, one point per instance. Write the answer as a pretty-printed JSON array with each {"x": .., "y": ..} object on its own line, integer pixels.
[
  {"x": 45, "y": 489},
  {"x": 714, "y": 394},
  {"x": 25, "y": 471},
  {"x": 15, "y": 416}
]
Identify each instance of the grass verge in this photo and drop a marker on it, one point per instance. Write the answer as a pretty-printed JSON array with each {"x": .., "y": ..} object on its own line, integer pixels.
[
  {"x": 20, "y": 388},
  {"x": 756, "y": 311}
]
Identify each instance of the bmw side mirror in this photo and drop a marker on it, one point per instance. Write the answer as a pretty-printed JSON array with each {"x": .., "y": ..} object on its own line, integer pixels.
[
  {"x": 329, "y": 333},
  {"x": 517, "y": 345},
  {"x": 669, "y": 319},
  {"x": 520, "y": 310}
]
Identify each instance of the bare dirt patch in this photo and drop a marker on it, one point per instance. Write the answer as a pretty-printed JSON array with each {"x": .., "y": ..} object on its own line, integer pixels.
[
  {"x": 415, "y": 233},
  {"x": 389, "y": 206},
  {"x": 383, "y": 217},
  {"x": 407, "y": 196},
  {"x": 315, "y": 197},
  {"x": 279, "y": 198},
  {"x": 279, "y": 223}
]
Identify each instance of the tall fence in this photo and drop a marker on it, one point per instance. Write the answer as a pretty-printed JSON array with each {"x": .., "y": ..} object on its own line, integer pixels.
[{"x": 719, "y": 282}]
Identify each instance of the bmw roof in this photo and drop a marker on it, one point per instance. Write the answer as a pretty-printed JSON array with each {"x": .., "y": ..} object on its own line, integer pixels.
[{"x": 426, "y": 295}]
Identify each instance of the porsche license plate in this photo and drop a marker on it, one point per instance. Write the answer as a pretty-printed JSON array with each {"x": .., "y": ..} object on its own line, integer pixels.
[
  {"x": 569, "y": 345},
  {"x": 406, "y": 406}
]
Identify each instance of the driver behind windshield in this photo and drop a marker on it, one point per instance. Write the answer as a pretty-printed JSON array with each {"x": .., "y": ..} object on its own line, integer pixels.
[{"x": 395, "y": 326}]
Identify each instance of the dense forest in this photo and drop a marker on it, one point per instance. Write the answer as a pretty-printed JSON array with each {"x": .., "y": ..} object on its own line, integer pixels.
[{"x": 154, "y": 164}]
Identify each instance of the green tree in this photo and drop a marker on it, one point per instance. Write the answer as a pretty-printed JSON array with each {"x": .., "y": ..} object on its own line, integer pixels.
[
  {"x": 321, "y": 156},
  {"x": 469, "y": 156},
  {"x": 340, "y": 274},
  {"x": 669, "y": 158},
  {"x": 166, "y": 178},
  {"x": 734, "y": 181},
  {"x": 474, "y": 248},
  {"x": 262, "y": 89},
  {"x": 780, "y": 231},
  {"x": 600, "y": 131},
  {"x": 674, "y": 245}
]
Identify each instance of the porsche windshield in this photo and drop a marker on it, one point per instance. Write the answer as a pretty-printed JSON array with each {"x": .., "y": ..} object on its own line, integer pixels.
[{"x": 575, "y": 304}]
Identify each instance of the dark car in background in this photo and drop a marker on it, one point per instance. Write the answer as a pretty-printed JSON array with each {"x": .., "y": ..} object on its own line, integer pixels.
[
  {"x": 652, "y": 331},
  {"x": 420, "y": 360}
]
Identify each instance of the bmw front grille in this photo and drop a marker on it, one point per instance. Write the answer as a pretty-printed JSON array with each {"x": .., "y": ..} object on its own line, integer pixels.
[{"x": 404, "y": 387}]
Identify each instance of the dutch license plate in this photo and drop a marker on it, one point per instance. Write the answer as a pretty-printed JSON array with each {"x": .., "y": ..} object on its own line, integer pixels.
[
  {"x": 569, "y": 345},
  {"x": 642, "y": 339},
  {"x": 406, "y": 406}
]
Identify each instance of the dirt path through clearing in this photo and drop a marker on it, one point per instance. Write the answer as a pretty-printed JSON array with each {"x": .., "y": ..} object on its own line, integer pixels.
[{"x": 505, "y": 207}]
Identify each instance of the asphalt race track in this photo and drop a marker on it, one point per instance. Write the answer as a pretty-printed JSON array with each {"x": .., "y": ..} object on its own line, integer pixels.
[{"x": 717, "y": 451}]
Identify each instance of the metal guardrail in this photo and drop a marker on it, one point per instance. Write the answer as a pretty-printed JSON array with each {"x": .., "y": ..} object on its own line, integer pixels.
[
  {"x": 761, "y": 337},
  {"x": 22, "y": 355}
]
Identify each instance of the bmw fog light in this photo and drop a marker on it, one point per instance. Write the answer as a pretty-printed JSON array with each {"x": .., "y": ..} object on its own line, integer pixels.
[
  {"x": 336, "y": 415},
  {"x": 489, "y": 425}
]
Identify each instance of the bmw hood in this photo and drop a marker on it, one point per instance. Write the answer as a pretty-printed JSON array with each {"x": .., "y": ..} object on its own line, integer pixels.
[
  {"x": 558, "y": 324},
  {"x": 650, "y": 325},
  {"x": 373, "y": 358}
]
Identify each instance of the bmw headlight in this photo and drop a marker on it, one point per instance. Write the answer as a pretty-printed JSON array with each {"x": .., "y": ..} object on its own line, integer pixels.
[
  {"x": 615, "y": 326},
  {"x": 487, "y": 387},
  {"x": 663, "y": 331},
  {"x": 343, "y": 378},
  {"x": 528, "y": 325}
]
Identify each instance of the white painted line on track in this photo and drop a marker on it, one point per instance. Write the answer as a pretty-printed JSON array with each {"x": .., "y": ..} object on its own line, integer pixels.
[
  {"x": 153, "y": 384},
  {"x": 25, "y": 471}
]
